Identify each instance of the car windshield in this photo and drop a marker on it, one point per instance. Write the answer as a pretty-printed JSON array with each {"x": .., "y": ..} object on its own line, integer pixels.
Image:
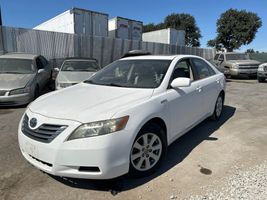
[
  {"x": 237, "y": 56},
  {"x": 80, "y": 65},
  {"x": 132, "y": 73},
  {"x": 16, "y": 66}
]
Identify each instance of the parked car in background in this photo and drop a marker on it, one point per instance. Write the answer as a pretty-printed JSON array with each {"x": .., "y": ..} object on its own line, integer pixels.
[
  {"x": 223, "y": 70},
  {"x": 123, "y": 118},
  {"x": 262, "y": 72},
  {"x": 22, "y": 77},
  {"x": 237, "y": 64},
  {"x": 75, "y": 70}
]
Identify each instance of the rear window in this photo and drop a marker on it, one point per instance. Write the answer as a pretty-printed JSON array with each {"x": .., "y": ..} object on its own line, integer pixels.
[{"x": 80, "y": 65}]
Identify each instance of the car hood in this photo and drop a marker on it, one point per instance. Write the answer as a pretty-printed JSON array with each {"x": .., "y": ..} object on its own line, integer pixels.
[
  {"x": 244, "y": 62},
  {"x": 87, "y": 102},
  {"x": 73, "y": 77},
  {"x": 14, "y": 81}
]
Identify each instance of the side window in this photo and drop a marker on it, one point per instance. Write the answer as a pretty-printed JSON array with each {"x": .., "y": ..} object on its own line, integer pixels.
[
  {"x": 221, "y": 57},
  {"x": 182, "y": 69},
  {"x": 39, "y": 63},
  {"x": 216, "y": 56},
  {"x": 202, "y": 69}
]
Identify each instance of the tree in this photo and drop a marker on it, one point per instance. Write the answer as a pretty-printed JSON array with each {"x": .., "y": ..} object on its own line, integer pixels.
[
  {"x": 235, "y": 28},
  {"x": 182, "y": 21},
  {"x": 250, "y": 51},
  {"x": 187, "y": 23}
]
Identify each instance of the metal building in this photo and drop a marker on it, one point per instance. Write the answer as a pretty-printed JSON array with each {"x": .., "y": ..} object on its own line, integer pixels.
[
  {"x": 124, "y": 28},
  {"x": 166, "y": 36},
  {"x": 78, "y": 21}
]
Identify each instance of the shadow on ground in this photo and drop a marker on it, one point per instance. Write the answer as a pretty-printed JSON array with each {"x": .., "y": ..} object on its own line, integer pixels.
[{"x": 176, "y": 153}]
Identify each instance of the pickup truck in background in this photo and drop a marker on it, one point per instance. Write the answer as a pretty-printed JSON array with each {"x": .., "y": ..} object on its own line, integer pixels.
[{"x": 236, "y": 64}]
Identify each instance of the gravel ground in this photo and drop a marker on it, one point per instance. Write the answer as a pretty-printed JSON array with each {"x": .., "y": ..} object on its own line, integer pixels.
[
  {"x": 215, "y": 160},
  {"x": 250, "y": 184}
]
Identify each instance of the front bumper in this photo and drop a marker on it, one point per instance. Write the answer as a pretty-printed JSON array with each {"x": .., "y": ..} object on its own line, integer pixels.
[
  {"x": 262, "y": 74},
  {"x": 109, "y": 153},
  {"x": 243, "y": 72},
  {"x": 16, "y": 100}
]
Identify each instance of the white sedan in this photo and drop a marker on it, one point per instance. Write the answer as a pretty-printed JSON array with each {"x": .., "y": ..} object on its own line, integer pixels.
[{"x": 122, "y": 119}]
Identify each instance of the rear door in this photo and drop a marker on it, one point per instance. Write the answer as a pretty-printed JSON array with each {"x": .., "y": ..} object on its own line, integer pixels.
[
  {"x": 184, "y": 104},
  {"x": 207, "y": 84}
]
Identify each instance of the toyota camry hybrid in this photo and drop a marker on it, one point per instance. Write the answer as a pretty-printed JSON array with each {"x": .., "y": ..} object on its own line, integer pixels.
[{"x": 121, "y": 119}]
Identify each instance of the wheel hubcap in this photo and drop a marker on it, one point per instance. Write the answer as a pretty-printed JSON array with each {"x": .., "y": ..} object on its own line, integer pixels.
[
  {"x": 219, "y": 106},
  {"x": 146, "y": 152}
]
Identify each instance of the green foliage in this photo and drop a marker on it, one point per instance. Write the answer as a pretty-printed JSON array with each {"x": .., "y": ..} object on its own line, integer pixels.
[
  {"x": 182, "y": 21},
  {"x": 235, "y": 28},
  {"x": 261, "y": 57},
  {"x": 250, "y": 51}
]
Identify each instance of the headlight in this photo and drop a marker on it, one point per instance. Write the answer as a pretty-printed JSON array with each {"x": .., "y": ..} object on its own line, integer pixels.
[
  {"x": 20, "y": 91},
  {"x": 261, "y": 68},
  {"x": 99, "y": 128},
  {"x": 235, "y": 66}
]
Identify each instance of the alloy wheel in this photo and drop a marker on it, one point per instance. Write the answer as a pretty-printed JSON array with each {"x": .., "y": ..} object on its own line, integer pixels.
[
  {"x": 146, "y": 152},
  {"x": 219, "y": 105}
]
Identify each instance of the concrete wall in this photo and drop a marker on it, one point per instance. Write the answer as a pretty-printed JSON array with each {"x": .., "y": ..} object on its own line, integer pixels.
[{"x": 59, "y": 45}]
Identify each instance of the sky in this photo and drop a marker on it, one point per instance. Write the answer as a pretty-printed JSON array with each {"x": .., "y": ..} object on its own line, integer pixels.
[{"x": 29, "y": 13}]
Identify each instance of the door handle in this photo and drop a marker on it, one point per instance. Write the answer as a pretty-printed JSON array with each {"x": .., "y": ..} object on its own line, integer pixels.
[
  {"x": 218, "y": 80},
  {"x": 199, "y": 88}
]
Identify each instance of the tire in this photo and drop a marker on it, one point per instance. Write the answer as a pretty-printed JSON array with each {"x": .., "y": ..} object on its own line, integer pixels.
[
  {"x": 218, "y": 109},
  {"x": 143, "y": 159},
  {"x": 261, "y": 80},
  {"x": 36, "y": 92}
]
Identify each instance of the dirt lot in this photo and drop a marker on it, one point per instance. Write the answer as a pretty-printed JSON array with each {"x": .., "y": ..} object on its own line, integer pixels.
[{"x": 200, "y": 161}]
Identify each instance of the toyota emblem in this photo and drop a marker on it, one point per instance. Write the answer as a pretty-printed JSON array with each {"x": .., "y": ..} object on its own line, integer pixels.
[{"x": 33, "y": 122}]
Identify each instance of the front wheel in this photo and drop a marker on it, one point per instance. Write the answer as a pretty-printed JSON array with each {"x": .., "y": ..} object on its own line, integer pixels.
[
  {"x": 147, "y": 150},
  {"x": 261, "y": 80}
]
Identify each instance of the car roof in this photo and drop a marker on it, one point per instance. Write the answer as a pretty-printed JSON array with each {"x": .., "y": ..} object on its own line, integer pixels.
[
  {"x": 159, "y": 57},
  {"x": 19, "y": 56}
]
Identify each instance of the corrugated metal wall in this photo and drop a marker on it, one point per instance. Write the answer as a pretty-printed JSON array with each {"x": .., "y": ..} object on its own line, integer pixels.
[{"x": 59, "y": 45}]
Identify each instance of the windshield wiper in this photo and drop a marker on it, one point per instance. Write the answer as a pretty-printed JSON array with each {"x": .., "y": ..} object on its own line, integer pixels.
[
  {"x": 88, "y": 81},
  {"x": 114, "y": 84}
]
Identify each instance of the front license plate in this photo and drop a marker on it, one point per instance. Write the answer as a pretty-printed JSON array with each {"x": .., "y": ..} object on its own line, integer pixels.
[{"x": 31, "y": 149}]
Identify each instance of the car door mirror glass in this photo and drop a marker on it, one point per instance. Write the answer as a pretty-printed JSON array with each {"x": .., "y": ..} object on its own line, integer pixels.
[
  {"x": 56, "y": 69},
  {"x": 181, "y": 82}
]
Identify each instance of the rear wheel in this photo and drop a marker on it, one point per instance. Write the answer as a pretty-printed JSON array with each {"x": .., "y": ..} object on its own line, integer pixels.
[
  {"x": 147, "y": 150},
  {"x": 218, "y": 108}
]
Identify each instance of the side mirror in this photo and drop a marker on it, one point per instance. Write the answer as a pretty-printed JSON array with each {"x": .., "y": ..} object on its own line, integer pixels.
[
  {"x": 181, "y": 82},
  {"x": 220, "y": 59},
  {"x": 56, "y": 69},
  {"x": 40, "y": 71}
]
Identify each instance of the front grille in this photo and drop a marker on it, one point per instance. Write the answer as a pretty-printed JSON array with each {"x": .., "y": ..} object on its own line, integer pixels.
[
  {"x": 2, "y": 92},
  {"x": 248, "y": 66},
  {"x": 44, "y": 133}
]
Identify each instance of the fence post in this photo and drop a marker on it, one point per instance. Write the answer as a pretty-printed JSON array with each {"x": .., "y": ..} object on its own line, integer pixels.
[{"x": 2, "y": 45}]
